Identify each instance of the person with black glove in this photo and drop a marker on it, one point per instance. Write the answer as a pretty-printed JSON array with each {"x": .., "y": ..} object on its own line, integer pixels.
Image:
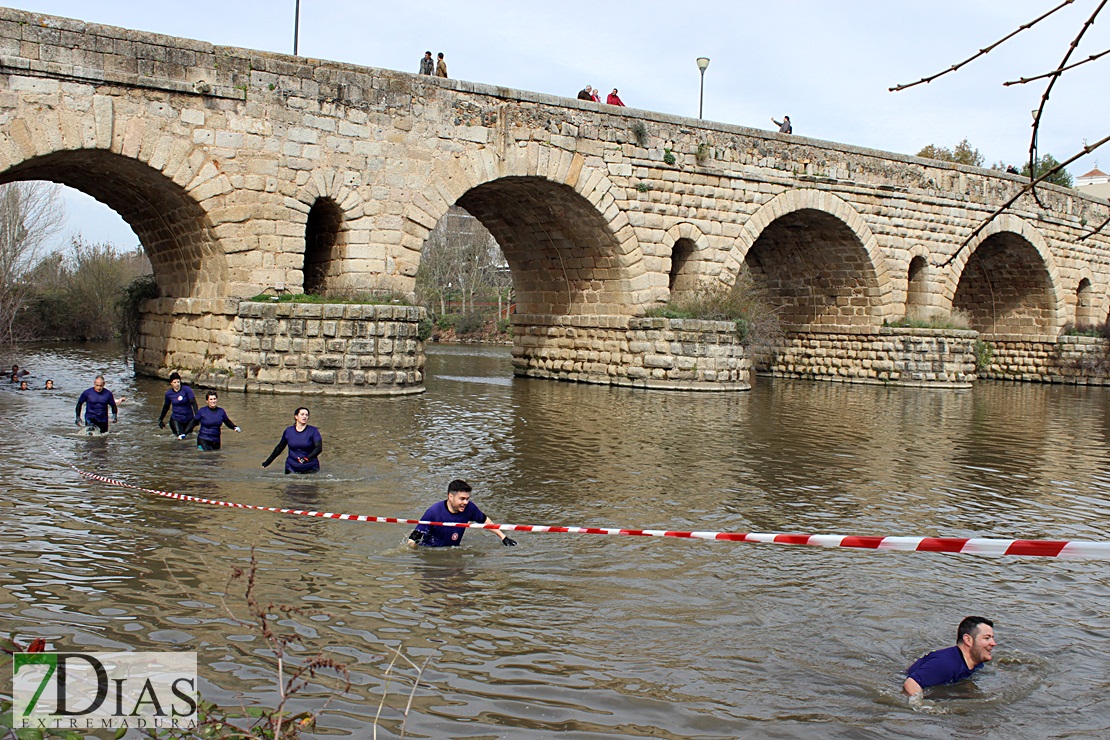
[
  {"x": 304, "y": 442},
  {"x": 184, "y": 404},
  {"x": 456, "y": 508}
]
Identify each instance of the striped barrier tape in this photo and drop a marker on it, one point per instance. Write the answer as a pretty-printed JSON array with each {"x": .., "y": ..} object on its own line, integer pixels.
[{"x": 961, "y": 545}]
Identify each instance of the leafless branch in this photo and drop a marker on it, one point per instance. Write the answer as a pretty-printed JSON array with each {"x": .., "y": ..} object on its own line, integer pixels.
[
  {"x": 1058, "y": 71},
  {"x": 1096, "y": 230},
  {"x": 1053, "y": 76},
  {"x": 984, "y": 50},
  {"x": 1025, "y": 189}
]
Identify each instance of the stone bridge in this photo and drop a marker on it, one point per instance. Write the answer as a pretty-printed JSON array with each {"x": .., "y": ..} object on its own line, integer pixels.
[{"x": 246, "y": 172}]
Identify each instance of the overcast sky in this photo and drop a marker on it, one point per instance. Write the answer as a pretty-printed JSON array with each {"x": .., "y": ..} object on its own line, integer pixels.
[{"x": 825, "y": 63}]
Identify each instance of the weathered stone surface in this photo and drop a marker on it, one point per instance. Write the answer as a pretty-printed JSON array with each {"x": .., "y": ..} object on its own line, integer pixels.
[{"x": 217, "y": 157}]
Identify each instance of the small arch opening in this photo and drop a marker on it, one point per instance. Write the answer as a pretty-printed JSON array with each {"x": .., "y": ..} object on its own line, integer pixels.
[
  {"x": 323, "y": 241},
  {"x": 680, "y": 280},
  {"x": 1085, "y": 315},
  {"x": 917, "y": 292}
]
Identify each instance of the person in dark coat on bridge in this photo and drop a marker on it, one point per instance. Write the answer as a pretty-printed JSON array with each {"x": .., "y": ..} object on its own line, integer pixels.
[
  {"x": 441, "y": 67},
  {"x": 427, "y": 64},
  {"x": 784, "y": 125},
  {"x": 585, "y": 93}
]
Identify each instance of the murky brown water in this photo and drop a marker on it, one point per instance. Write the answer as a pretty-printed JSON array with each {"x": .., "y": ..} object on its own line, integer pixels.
[{"x": 583, "y": 635}]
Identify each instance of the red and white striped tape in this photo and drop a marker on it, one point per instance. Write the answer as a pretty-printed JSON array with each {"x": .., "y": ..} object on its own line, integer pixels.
[{"x": 962, "y": 545}]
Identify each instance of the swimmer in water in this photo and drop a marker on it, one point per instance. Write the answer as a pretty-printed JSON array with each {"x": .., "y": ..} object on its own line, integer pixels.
[
  {"x": 49, "y": 385},
  {"x": 97, "y": 400},
  {"x": 23, "y": 386},
  {"x": 304, "y": 442},
  {"x": 210, "y": 418},
  {"x": 974, "y": 647},
  {"x": 184, "y": 403}
]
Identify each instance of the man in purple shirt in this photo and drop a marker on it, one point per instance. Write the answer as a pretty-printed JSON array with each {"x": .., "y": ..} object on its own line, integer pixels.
[
  {"x": 96, "y": 400},
  {"x": 457, "y": 508},
  {"x": 974, "y": 645}
]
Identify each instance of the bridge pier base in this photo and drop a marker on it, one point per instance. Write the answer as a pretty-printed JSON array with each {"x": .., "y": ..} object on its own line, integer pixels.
[
  {"x": 935, "y": 358},
  {"x": 297, "y": 348},
  {"x": 656, "y": 353}
]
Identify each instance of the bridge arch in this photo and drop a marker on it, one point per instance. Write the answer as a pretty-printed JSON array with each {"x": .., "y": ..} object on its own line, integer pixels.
[
  {"x": 689, "y": 258},
  {"x": 1007, "y": 281},
  {"x": 818, "y": 259},
  {"x": 172, "y": 227},
  {"x": 570, "y": 248}
]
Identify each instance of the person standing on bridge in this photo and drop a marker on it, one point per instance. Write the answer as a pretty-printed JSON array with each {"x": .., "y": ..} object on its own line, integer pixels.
[
  {"x": 441, "y": 67},
  {"x": 784, "y": 125},
  {"x": 305, "y": 445},
  {"x": 210, "y": 418},
  {"x": 974, "y": 646},
  {"x": 427, "y": 64},
  {"x": 613, "y": 99},
  {"x": 457, "y": 508},
  {"x": 586, "y": 93}
]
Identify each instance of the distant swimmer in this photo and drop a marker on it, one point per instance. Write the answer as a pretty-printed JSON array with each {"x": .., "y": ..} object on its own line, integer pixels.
[
  {"x": 974, "y": 644},
  {"x": 96, "y": 400},
  {"x": 210, "y": 418},
  {"x": 17, "y": 373},
  {"x": 304, "y": 442},
  {"x": 49, "y": 385},
  {"x": 184, "y": 403},
  {"x": 457, "y": 508},
  {"x": 23, "y": 386}
]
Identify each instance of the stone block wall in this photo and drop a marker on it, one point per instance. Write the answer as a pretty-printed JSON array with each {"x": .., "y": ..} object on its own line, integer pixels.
[
  {"x": 664, "y": 354},
  {"x": 1078, "y": 360},
  {"x": 284, "y": 347},
  {"x": 333, "y": 349},
  {"x": 910, "y": 357},
  {"x": 194, "y": 336}
]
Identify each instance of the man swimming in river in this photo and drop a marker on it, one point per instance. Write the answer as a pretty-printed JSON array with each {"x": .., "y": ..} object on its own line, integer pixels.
[{"x": 974, "y": 646}]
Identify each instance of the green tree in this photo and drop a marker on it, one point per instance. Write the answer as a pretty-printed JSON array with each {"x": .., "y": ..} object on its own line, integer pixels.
[
  {"x": 1046, "y": 163},
  {"x": 964, "y": 153}
]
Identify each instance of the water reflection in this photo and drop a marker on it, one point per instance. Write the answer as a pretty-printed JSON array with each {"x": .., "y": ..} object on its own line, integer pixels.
[{"x": 599, "y": 636}]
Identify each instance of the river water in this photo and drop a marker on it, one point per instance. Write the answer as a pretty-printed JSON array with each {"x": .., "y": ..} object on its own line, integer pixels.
[{"x": 579, "y": 635}]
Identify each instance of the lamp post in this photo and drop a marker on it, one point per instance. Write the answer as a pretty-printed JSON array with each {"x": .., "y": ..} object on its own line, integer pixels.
[
  {"x": 703, "y": 62},
  {"x": 296, "y": 26}
]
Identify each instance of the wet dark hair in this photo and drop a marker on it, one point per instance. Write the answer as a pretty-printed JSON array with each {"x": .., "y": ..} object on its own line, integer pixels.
[
  {"x": 211, "y": 394},
  {"x": 458, "y": 485},
  {"x": 970, "y": 626},
  {"x": 175, "y": 376},
  {"x": 300, "y": 409}
]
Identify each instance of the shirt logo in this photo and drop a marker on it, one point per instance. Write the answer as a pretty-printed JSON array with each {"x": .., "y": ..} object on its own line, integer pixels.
[{"x": 454, "y": 535}]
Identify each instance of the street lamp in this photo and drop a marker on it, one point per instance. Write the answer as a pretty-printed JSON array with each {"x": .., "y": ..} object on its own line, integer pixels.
[
  {"x": 703, "y": 62},
  {"x": 296, "y": 26}
]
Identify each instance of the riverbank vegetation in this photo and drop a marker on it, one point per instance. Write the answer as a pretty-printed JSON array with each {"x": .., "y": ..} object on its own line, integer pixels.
[{"x": 76, "y": 293}]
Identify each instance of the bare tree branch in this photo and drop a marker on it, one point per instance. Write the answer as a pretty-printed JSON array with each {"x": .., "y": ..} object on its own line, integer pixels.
[
  {"x": 984, "y": 50},
  {"x": 1025, "y": 189},
  {"x": 1053, "y": 76},
  {"x": 1058, "y": 71},
  {"x": 1097, "y": 229}
]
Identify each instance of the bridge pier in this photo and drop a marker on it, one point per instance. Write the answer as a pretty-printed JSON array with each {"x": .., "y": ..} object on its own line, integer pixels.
[{"x": 306, "y": 348}]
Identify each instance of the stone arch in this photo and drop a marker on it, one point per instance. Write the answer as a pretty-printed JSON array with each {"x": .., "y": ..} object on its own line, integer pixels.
[
  {"x": 919, "y": 277},
  {"x": 1086, "y": 302},
  {"x": 1007, "y": 281},
  {"x": 570, "y": 248},
  {"x": 817, "y": 258},
  {"x": 171, "y": 225},
  {"x": 689, "y": 257},
  {"x": 332, "y": 256}
]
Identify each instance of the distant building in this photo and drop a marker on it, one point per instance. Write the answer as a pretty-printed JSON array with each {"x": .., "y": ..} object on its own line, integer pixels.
[{"x": 1096, "y": 183}]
